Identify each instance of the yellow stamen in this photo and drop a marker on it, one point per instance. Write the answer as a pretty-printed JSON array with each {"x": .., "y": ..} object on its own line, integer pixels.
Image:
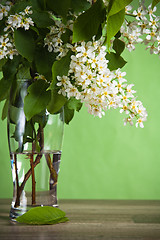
[
  {"x": 93, "y": 89},
  {"x": 3, "y": 44},
  {"x": 152, "y": 34},
  {"x": 89, "y": 77},
  {"x": 125, "y": 108},
  {"x": 124, "y": 97}
]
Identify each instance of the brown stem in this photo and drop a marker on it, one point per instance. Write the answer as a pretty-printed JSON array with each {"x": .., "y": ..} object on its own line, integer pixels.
[
  {"x": 53, "y": 172},
  {"x": 33, "y": 180},
  {"x": 30, "y": 172},
  {"x": 26, "y": 177},
  {"x": 17, "y": 180},
  {"x": 41, "y": 137}
]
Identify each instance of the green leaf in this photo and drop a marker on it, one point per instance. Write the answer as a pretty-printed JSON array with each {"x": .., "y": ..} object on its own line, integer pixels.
[
  {"x": 44, "y": 61},
  {"x": 66, "y": 36},
  {"x": 2, "y": 24},
  {"x": 115, "y": 61},
  {"x": 154, "y": 3},
  {"x": 68, "y": 114},
  {"x": 117, "y": 5},
  {"x": 14, "y": 114},
  {"x": 60, "y": 68},
  {"x": 2, "y": 62},
  {"x": 23, "y": 73},
  {"x": 37, "y": 98},
  {"x": 118, "y": 46},
  {"x": 35, "y": 30},
  {"x": 40, "y": 3},
  {"x": 60, "y": 7},
  {"x": 74, "y": 104},
  {"x": 87, "y": 24},
  {"x": 41, "y": 119},
  {"x": 43, "y": 215},
  {"x": 24, "y": 43},
  {"x": 5, "y": 109},
  {"x": 10, "y": 68},
  {"x": 42, "y": 19},
  {"x": 113, "y": 25},
  {"x": 28, "y": 133},
  {"x": 1, "y": 75},
  {"x": 4, "y": 88},
  {"x": 80, "y": 5},
  {"x": 56, "y": 103},
  {"x": 9, "y": 72}
]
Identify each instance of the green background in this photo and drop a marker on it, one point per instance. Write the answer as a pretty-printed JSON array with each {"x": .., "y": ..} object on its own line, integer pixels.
[{"x": 101, "y": 158}]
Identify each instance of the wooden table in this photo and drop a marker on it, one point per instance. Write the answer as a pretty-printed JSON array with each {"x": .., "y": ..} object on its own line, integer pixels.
[{"x": 91, "y": 219}]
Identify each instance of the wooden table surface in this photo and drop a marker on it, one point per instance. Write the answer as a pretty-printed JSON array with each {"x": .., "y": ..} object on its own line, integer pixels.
[{"x": 91, "y": 219}]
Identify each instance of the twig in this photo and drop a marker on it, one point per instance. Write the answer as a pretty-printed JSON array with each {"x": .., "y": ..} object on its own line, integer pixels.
[
  {"x": 26, "y": 177},
  {"x": 53, "y": 172},
  {"x": 131, "y": 15},
  {"x": 41, "y": 137},
  {"x": 17, "y": 180},
  {"x": 33, "y": 180}
]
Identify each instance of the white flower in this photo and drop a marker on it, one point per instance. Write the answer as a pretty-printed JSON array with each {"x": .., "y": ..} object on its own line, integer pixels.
[
  {"x": 26, "y": 23},
  {"x": 128, "y": 120},
  {"x": 140, "y": 123},
  {"x": 11, "y": 53},
  {"x": 154, "y": 22},
  {"x": 2, "y": 54},
  {"x": 153, "y": 49},
  {"x": 84, "y": 53},
  {"x": 124, "y": 109},
  {"x": 63, "y": 81},
  {"x": 140, "y": 13},
  {"x": 151, "y": 34},
  {"x": 128, "y": 9},
  {"x": 120, "y": 75},
  {"x": 27, "y": 10},
  {"x": 130, "y": 91},
  {"x": 14, "y": 21},
  {"x": 152, "y": 11},
  {"x": 4, "y": 43},
  {"x": 158, "y": 39},
  {"x": 4, "y": 11},
  {"x": 143, "y": 24},
  {"x": 130, "y": 46}
]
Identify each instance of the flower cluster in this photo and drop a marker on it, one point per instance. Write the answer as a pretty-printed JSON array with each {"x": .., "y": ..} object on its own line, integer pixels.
[
  {"x": 21, "y": 20},
  {"x": 145, "y": 29},
  {"x": 54, "y": 40},
  {"x": 90, "y": 81},
  {"x": 7, "y": 48}
]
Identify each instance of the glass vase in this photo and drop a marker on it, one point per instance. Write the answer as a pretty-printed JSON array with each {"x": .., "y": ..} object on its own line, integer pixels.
[{"x": 35, "y": 153}]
